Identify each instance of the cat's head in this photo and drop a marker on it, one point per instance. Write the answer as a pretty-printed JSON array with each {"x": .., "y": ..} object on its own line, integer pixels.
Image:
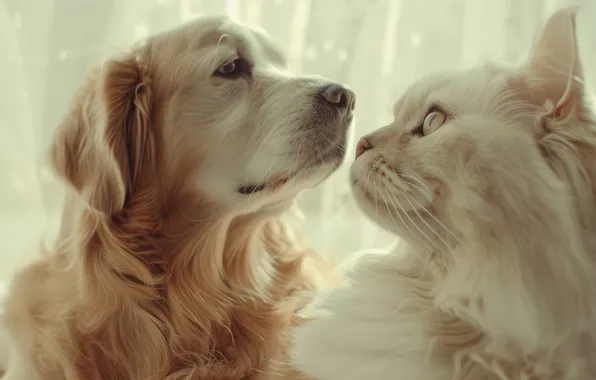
[
  {"x": 500, "y": 160},
  {"x": 483, "y": 143}
]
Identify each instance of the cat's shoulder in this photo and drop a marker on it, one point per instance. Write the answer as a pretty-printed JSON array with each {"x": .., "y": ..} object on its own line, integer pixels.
[{"x": 366, "y": 328}]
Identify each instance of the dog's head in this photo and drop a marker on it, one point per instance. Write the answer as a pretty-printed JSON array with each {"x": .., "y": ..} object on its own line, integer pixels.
[{"x": 207, "y": 109}]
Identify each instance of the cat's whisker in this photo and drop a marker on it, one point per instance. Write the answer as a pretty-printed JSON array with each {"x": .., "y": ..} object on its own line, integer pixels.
[
  {"x": 428, "y": 242},
  {"x": 376, "y": 200},
  {"x": 370, "y": 171},
  {"x": 417, "y": 185},
  {"x": 411, "y": 180},
  {"x": 375, "y": 185},
  {"x": 389, "y": 206},
  {"x": 415, "y": 208}
]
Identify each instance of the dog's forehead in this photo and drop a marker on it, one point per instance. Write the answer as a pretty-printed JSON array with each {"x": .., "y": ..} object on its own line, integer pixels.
[
  {"x": 218, "y": 32},
  {"x": 243, "y": 38},
  {"x": 209, "y": 32}
]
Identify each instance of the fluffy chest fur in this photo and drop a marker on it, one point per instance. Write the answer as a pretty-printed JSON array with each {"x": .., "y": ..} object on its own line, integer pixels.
[
  {"x": 391, "y": 326},
  {"x": 97, "y": 321}
]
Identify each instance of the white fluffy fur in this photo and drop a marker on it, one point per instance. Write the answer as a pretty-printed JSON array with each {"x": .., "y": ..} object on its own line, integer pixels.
[{"x": 496, "y": 273}]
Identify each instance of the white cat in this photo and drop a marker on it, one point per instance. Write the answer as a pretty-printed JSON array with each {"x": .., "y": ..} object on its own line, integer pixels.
[{"x": 489, "y": 176}]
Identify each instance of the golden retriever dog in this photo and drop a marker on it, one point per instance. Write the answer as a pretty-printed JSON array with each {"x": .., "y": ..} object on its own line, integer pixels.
[{"x": 176, "y": 257}]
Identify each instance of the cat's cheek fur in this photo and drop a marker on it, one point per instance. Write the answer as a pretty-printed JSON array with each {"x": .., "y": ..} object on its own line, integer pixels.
[{"x": 374, "y": 330}]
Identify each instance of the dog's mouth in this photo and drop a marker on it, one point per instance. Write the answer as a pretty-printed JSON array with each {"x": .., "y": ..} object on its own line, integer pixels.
[
  {"x": 273, "y": 184},
  {"x": 333, "y": 155},
  {"x": 251, "y": 189}
]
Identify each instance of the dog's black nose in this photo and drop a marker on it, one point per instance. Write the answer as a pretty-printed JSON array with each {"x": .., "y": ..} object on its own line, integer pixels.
[{"x": 339, "y": 96}]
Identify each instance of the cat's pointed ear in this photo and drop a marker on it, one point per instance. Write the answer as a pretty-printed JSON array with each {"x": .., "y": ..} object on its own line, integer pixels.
[{"x": 555, "y": 67}]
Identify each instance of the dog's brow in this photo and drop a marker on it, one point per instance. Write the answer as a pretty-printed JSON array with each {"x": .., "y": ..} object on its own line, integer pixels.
[
  {"x": 220, "y": 38},
  {"x": 213, "y": 37}
]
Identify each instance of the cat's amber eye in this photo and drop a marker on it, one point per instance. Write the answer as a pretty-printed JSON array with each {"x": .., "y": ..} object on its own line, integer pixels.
[{"x": 433, "y": 121}]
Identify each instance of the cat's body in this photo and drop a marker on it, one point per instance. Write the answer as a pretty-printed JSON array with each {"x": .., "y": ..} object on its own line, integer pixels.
[
  {"x": 389, "y": 324},
  {"x": 489, "y": 176}
]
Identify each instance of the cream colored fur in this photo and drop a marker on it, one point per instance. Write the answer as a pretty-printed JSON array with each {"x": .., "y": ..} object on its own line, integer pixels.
[
  {"x": 177, "y": 256},
  {"x": 495, "y": 277}
]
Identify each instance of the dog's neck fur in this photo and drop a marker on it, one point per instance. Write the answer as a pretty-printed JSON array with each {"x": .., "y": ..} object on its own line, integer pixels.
[{"x": 211, "y": 296}]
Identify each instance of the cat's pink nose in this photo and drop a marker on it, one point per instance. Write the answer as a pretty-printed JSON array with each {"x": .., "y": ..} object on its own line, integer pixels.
[{"x": 362, "y": 146}]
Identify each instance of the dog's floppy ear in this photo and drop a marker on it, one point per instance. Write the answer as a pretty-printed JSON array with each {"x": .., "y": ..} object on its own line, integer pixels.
[{"x": 105, "y": 144}]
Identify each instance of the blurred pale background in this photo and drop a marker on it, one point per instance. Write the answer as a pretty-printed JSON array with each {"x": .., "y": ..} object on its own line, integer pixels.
[{"x": 376, "y": 46}]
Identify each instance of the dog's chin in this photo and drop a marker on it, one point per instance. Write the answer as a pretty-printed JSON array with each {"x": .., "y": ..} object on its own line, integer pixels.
[
  {"x": 308, "y": 177},
  {"x": 309, "y": 172},
  {"x": 318, "y": 168},
  {"x": 322, "y": 172}
]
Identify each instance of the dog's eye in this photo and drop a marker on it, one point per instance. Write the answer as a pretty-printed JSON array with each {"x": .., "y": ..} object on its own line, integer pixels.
[{"x": 233, "y": 69}]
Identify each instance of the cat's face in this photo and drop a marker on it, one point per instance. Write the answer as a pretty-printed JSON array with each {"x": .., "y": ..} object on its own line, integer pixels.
[
  {"x": 456, "y": 138},
  {"x": 488, "y": 143}
]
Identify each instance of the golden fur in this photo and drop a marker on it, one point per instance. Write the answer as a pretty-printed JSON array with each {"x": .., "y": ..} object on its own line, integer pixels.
[
  {"x": 489, "y": 176},
  {"x": 161, "y": 269}
]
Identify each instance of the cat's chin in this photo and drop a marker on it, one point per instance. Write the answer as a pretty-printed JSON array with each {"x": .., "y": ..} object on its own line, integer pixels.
[{"x": 391, "y": 212}]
